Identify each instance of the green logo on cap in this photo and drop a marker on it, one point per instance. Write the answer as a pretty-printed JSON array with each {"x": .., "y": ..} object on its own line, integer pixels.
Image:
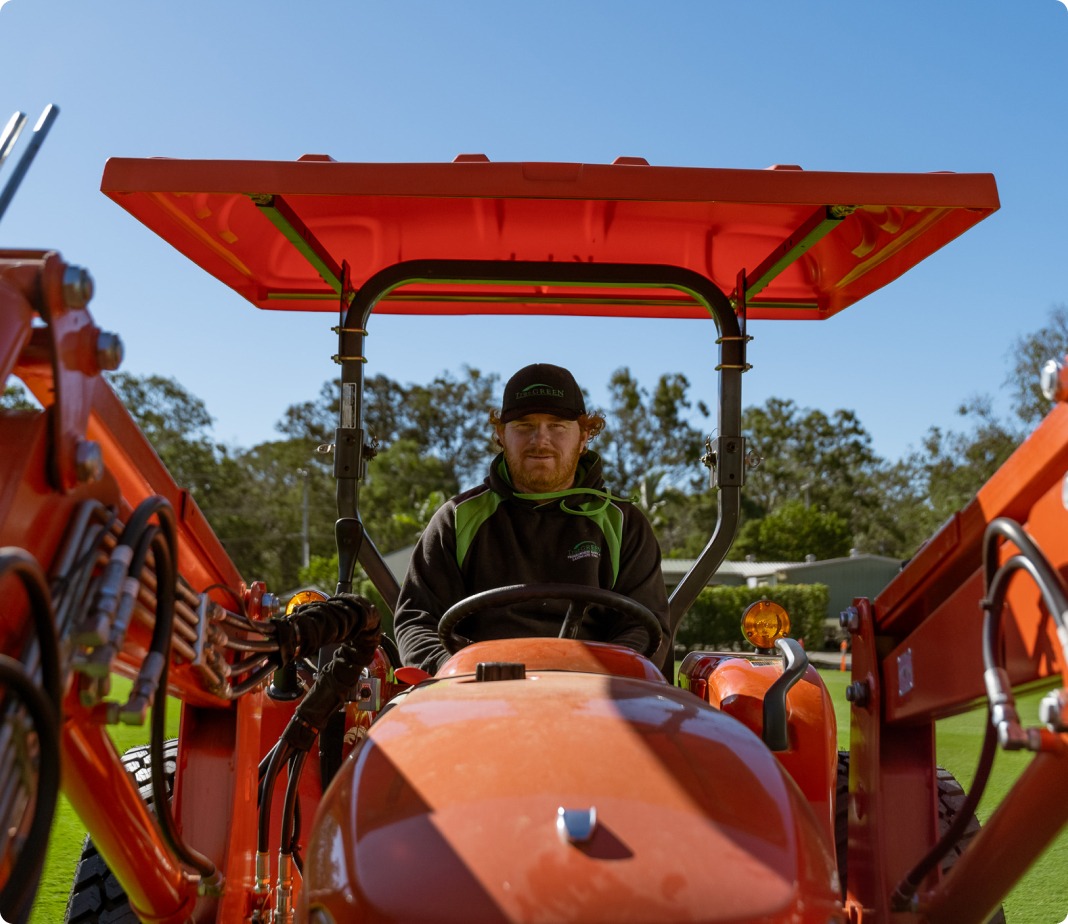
[{"x": 539, "y": 390}]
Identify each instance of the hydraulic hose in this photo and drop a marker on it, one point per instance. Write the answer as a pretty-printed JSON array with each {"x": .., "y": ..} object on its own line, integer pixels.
[
  {"x": 25, "y": 567},
  {"x": 1030, "y": 559},
  {"x": 18, "y": 892},
  {"x": 345, "y": 618},
  {"x": 162, "y": 541},
  {"x": 292, "y": 801},
  {"x": 43, "y": 703},
  {"x": 279, "y": 755}
]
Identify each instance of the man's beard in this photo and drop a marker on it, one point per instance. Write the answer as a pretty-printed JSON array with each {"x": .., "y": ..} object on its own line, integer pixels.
[{"x": 541, "y": 479}]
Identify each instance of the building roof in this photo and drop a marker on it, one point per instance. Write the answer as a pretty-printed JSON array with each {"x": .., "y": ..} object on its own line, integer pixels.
[{"x": 674, "y": 569}]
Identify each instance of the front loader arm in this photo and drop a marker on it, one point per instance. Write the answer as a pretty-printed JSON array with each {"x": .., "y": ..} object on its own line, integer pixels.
[
  {"x": 918, "y": 656},
  {"x": 72, "y": 475}
]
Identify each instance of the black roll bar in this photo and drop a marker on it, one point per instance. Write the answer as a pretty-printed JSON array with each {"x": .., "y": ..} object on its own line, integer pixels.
[{"x": 729, "y": 445}]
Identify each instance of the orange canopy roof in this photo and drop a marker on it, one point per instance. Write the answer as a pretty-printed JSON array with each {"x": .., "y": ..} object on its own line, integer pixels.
[{"x": 293, "y": 235}]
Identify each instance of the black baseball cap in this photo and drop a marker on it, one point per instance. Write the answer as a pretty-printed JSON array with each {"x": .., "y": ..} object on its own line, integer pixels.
[{"x": 542, "y": 388}]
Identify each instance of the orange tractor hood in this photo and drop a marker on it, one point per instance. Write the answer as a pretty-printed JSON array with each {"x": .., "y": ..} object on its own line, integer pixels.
[
  {"x": 448, "y": 811},
  {"x": 785, "y": 242}
]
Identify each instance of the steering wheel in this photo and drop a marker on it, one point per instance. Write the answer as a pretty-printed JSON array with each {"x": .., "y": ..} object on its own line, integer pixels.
[{"x": 580, "y": 598}]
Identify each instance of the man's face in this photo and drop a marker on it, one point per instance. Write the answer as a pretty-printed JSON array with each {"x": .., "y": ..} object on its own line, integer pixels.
[{"x": 542, "y": 452}]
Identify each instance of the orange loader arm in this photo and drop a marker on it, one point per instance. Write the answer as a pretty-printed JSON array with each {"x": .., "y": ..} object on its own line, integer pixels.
[
  {"x": 977, "y": 612},
  {"x": 72, "y": 475}
]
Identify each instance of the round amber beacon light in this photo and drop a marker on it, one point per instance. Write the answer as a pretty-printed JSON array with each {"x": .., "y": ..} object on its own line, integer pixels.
[
  {"x": 304, "y": 596},
  {"x": 763, "y": 622}
]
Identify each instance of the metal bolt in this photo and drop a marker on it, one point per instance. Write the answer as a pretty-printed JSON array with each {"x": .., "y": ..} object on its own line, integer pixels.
[
  {"x": 849, "y": 619},
  {"x": 109, "y": 351},
  {"x": 270, "y": 605},
  {"x": 88, "y": 461},
  {"x": 77, "y": 287},
  {"x": 1053, "y": 711},
  {"x": 753, "y": 459},
  {"x": 858, "y": 693},
  {"x": 1050, "y": 380}
]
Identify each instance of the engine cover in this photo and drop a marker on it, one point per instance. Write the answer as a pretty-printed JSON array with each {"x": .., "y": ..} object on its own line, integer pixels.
[{"x": 448, "y": 811}]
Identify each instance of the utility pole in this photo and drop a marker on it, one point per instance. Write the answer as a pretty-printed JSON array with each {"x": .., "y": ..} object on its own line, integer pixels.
[{"x": 304, "y": 547}]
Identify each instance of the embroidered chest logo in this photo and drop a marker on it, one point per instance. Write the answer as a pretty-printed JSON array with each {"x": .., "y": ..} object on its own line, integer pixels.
[{"x": 584, "y": 549}]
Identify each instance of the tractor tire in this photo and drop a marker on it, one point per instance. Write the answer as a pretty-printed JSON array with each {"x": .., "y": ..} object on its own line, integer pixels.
[
  {"x": 950, "y": 799},
  {"x": 96, "y": 896}
]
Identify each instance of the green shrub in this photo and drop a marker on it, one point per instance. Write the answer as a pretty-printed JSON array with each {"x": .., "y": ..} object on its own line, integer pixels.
[{"x": 715, "y": 618}]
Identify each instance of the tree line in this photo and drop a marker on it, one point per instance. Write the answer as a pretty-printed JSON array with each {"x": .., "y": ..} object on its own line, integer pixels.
[{"x": 821, "y": 489}]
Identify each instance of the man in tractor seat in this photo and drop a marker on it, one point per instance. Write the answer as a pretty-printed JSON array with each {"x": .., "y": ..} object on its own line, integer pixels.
[{"x": 542, "y": 515}]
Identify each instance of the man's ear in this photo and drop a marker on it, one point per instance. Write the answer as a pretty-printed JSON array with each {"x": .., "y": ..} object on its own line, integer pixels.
[{"x": 497, "y": 431}]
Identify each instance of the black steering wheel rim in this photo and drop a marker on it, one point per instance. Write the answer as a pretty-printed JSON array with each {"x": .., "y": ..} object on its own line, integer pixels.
[{"x": 524, "y": 593}]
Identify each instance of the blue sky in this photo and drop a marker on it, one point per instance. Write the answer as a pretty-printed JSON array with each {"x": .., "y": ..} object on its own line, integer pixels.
[{"x": 860, "y": 86}]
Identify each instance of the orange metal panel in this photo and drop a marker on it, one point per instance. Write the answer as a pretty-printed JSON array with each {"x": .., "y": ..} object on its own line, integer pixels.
[
  {"x": 559, "y": 654},
  {"x": 696, "y": 821},
  {"x": 932, "y": 607},
  {"x": 892, "y": 813},
  {"x": 713, "y": 221},
  {"x": 737, "y": 686}
]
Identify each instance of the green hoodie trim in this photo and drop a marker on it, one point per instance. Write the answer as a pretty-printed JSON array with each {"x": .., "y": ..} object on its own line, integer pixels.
[
  {"x": 469, "y": 516},
  {"x": 607, "y": 516}
]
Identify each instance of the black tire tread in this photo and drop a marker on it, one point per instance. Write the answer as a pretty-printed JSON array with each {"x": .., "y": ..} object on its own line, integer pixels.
[{"x": 96, "y": 897}]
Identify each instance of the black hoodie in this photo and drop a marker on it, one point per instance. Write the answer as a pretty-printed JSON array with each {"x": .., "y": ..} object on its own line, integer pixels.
[{"x": 491, "y": 537}]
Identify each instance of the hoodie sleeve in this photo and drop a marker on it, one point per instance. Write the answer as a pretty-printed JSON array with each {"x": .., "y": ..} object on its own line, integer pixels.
[
  {"x": 641, "y": 579},
  {"x": 433, "y": 582}
]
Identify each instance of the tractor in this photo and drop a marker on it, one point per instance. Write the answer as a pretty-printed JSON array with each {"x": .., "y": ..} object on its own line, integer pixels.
[{"x": 315, "y": 778}]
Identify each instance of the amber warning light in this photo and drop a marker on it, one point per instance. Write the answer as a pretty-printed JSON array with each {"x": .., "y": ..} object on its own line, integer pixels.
[{"x": 763, "y": 622}]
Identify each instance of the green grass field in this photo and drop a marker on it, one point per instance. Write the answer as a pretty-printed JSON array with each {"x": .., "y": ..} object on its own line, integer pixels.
[{"x": 1040, "y": 898}]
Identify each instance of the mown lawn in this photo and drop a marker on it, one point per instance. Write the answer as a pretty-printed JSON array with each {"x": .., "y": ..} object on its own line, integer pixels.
[{"x": 1040, "y": 898}]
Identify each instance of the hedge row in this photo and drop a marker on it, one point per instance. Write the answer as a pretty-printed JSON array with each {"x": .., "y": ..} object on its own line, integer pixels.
[{"x": 715, "y": 618}]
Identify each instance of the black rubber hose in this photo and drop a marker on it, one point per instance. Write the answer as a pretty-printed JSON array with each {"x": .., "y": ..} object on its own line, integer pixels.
[
  {"x": 322, "y": 622},
  {"x": 289, "y": 807},
  {"x": 253, "y": 680},
  {"x": 164, "y": 547},
  {"x": 1045, "y": 576},
  {"x": 280, "y": 754},
  {"x": 347, "y": 613},
  {"x": 44, "y": 703},
  {"x": 333, "y": 688},
  {"x": 18, "y": 892},
  {"x": 26, "y": 568}
]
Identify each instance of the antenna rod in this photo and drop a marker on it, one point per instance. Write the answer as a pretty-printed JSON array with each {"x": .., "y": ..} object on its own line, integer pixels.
[
  {"x": 11, "y": 134},
  {"x": 39, "y": 131}
]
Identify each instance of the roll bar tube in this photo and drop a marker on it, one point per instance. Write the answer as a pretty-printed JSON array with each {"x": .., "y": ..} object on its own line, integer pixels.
[{"x": 729, "y": 470}]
